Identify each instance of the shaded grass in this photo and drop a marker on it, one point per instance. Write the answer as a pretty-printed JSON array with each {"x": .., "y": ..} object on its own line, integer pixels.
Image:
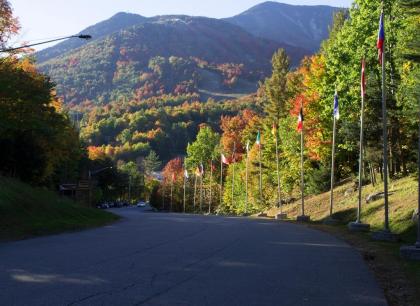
[
  {"x": 26, "y": 211},
  {"x": 400, "y": 279}
]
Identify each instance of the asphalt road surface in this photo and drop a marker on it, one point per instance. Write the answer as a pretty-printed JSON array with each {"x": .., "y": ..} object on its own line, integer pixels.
[{"x": 174, "y": 259}]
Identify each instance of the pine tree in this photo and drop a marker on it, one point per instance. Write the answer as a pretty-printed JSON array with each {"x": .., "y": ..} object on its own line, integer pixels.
[{"x": 276, "y": 86}]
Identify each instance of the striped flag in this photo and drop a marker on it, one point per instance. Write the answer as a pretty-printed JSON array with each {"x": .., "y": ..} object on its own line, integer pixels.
[
  {"x": 300, "y": 121},
  {"x": 363, "y": 80},
  {"x": 336, "y": 109},
  {"x": 380, "y": 44}
]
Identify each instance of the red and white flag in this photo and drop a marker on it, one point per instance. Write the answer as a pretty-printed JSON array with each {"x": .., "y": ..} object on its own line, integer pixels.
[
  {"x": 363, "y": 80},
  {"x": 225, "y": 160},
  {"x": 300, "y": 121}
]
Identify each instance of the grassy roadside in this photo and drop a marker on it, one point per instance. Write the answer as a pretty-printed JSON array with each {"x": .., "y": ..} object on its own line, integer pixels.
[
  {"x": 26, "y": 211},
  {"x": 400, "y": 279}
]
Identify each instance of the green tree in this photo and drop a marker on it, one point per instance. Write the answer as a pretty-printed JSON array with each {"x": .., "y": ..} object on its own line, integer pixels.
[
  {"x": 203, "y": 149},
  {"x": 151, "y": 163},
  {"x": 276, "y": 86}
]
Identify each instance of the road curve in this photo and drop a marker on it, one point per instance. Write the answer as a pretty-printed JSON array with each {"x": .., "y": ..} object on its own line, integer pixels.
[{"x": 174, "y": 259}]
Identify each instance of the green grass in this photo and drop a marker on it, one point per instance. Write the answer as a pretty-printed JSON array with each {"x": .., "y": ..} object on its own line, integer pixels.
[{"x": 26, "y": 211}]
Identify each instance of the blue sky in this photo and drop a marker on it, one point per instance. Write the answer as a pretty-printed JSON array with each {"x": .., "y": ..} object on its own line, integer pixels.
[{"x": 44, "y": 19}]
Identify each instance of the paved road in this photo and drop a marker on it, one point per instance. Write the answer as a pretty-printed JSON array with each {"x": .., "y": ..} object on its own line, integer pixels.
[{"x": 171, "y": 259}]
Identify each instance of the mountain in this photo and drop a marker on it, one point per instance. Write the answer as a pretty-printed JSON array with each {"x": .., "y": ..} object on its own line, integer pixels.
[
  {"x": 115, "y": 23},
  {"x": 301, "y": 26},
  {"x": 164, "y": 55},
  {"x": 134, "y": 57}
]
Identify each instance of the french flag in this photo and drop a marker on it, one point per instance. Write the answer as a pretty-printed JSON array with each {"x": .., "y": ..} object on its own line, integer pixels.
[
  {"x": 381, "y": 38},
  {"x": 336, "y": 111}
]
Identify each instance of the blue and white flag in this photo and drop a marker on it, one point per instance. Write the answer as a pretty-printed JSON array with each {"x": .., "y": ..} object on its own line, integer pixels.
[{"x": 336, "y": 110}]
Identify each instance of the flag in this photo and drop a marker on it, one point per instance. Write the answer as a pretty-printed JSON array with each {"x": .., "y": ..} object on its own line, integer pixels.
[
  {"x": 247, "y": 146},
  {"x": 363, "y": 80},
  {"x": 381, "y": 38},
  {"x": 336, "y": 109},
  {"x": 186, "y": 174},
  {"x": 274, "y": 129},
  {"x": 225, "y": 160},
  {"x": 173, "y": 176},
  {"x": 258, "y": 141},
  {"x": 201, "y": 169},
  {"x": 300, "y": 121},
  {"x": 197, "y": 171},
  {"x": 213, "y": 167}
]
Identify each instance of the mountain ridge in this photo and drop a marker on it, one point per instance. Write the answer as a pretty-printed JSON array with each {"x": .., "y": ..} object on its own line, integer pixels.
[
  {"x": 298, "y": 25},
  {"x": 137, "y": 57}
]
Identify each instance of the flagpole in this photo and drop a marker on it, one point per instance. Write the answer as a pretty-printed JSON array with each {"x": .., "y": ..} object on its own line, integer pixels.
[
  {"x": 302, "y": 217},
  {"x": 332, "y": 168},
  {"x": 278, "y": 176},
  {"x": 385, "y": 139},
  {"x": 302, "y": 182},
  {"x": 172, "y": 187},
  {"x": 259, "y": 154},
  {"x": 233, "y": 173},
  {"x": 195, "y": 189},
  {"x": 185, "y": 182},
  {"x": 201, "y": 187},
  {"x": 385, "y": 234},
  {"x": 358, "y": 225},
  {"x": 211, "y": 180},
  {"x": 246, "y": 179},
  {"x": 221, "y": 179},
  {"x": 163, "y": 195},
  {"x": 359, "y": 207}
]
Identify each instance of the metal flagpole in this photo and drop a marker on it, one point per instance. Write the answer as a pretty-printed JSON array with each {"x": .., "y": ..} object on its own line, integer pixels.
[
  {"x": 278, "y": 174},
  {"x": 195, "y": 189},
  {"x": 201, "y": 187},
  {"x": 246, "y": 178},
  {"x": 233, "y": 173},
  {"x": 185, "y": 182},
  {"x": 332, "y": 168},
  {"x": 172, "y": 187},
  {"x": 163, "y": 195},
  {"x": 260, "y": 183},
  {"x": 359, "y": 207},
  {"x": 302, "y": 182},
  {"x": 221, "y": 179},
  {"x": 211, "y": 181},
  {"x": 302, "y": 217},
  {"x": 336, "y": 115},
  {"x": 358, "y": 225},
  {"x": 385, "y": 139}
]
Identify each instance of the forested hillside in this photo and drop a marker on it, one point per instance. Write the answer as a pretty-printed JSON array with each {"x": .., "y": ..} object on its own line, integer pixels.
[{"x": 166, "y": 55}]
